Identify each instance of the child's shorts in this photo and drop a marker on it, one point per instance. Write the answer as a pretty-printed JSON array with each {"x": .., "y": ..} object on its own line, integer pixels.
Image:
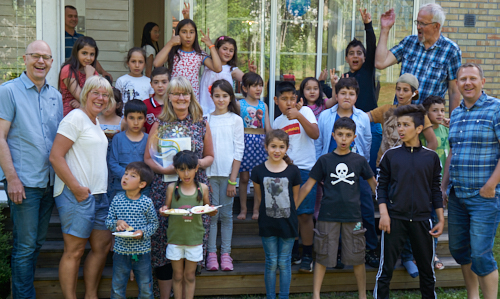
[
  {"x": 190, "y": 253},
  {"x": 80, "y": 218},
  {"x": 326, "y": 243}
]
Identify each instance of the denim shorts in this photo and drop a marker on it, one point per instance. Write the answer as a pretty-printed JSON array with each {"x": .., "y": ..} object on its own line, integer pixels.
[
  {"x": 472, "y": 225},
  {"x": 80, "y": 218},
  {"x": 307, "y": 205}
]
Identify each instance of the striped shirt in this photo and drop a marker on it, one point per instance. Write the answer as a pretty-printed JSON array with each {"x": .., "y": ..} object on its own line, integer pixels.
[
  {"x": 69, "y": 41},
  {"x": 433, "y": 67},
  {"x": 475, "y": 145}
]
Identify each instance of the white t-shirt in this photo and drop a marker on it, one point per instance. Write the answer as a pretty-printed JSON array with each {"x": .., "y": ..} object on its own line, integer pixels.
[
  {"x": 301, "y": 150},
  {"x": 149, "y": 51},
  {"x": 228, "y": 142},
  {"x": 134, "y": 88},
  {"x": 87, "y": 157},
  {"x": 207, "y": 79}
]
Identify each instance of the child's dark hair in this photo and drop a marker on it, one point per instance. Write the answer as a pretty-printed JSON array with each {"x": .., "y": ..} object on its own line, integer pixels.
[
  {"x": 430, "y": 100},
  {"x": 345, "y": 123},
  {"x": 319, "y": 101},
  {"x": 173, "y": 51},
  {"x": 282, "y": 136},
  {"x": 416, "y": 112},
  {"x": 119, "y": 102},
  {"x": 73, "y": 62},
  {"x": 227, "y": 88},
  {"x": 160, "y": 71},
  {"x": 135, "y": 106},
  {"x": 186, "y": 160},
  {"x": 285, "y": 86},
  {"x": 250, "y": 79},
  {"x": 143, "y": 170},
  {"x": 349, "y": 83},
  {"x": 354, "y": 43},
  {"x": 146, "y": 36},
  {"x": 228, "y": 40},
  {"x": 132, "y": 51}
]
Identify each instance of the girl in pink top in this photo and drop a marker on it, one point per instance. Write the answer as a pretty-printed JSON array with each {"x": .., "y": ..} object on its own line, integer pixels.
[
  {"x": 75, "y": 71},
  {"x": 184, "y": 56}
]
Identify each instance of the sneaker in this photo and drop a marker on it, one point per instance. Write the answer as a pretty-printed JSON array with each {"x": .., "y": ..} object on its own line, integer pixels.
[
  {"x": 226, "y": 262},
  {"x": 296, "y": 258},
  {"x": 306, "y": 265},
  {"x": 212, "y": 264},
  {"x": 371, "y": 259}
]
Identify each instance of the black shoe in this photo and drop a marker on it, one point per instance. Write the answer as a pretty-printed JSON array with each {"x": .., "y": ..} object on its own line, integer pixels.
[
  {"x": 372, "y": 259},
  {"x": 296, "y": 258},
  {"x": 340, "y": 265},
  {"x": 306, "y": 265}
]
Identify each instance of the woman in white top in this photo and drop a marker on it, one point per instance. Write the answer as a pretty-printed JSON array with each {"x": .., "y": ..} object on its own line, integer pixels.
[
  {"x": 150, "y": 37},
  {"x": 79, "y": 160}
]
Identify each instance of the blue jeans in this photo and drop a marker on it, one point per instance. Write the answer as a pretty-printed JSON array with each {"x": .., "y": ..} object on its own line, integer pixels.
[
  {"x": 307, "y": 205},
  {"x": 31, "y": 222},
  {"x": 472, "y": 225},
  {"x": 278, "y": 254},
  {"x": 122, "y": 264},
  {"x": 368, "y": 214},
  {"x": 219, "y": 188},
  {"x": 376, "y": 141}
]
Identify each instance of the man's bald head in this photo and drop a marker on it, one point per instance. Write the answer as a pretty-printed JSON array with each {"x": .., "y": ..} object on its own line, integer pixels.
[
  {"x": 38, "y": 45},
  {"x": 38, "y": 60}
]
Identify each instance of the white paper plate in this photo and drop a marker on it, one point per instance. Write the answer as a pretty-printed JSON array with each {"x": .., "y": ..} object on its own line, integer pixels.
[
  {"x": 202, "y": 209},
  {"x": 178, "y": 212},
  {"x": 125, "y": 234}
]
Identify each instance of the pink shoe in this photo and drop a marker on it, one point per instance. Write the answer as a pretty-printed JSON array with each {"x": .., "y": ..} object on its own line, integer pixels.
[
  {"x": 212, "y": 264},
  {"x": 226, "y": 262}
]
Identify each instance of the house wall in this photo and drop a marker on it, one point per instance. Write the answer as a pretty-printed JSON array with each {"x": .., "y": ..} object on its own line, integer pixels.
[{"x": 479, "y": 44}]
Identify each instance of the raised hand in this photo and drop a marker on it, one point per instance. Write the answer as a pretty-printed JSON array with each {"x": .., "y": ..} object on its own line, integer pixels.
[
  {"x": 322, "y": 75},
  {"x": 185, "y": 11},
  {"x": 89, "y": 70},
  {"x": 388, "y": 19},
  {"x": 206, "y": 38},
  {"x": 299, "y": 104},
  {"x": 366, "y": 16},
  {"x": 334, "y": 79},
  {"x": 175, "y": 40},
  {"x": 251, "y": 66}
]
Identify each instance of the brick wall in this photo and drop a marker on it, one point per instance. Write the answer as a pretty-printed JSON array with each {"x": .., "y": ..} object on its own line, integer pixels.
[{"x": 479, "y": 44}]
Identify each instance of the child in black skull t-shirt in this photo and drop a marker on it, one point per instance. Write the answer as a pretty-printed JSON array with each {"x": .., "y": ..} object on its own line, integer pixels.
[{"x": 340, "y": 210}]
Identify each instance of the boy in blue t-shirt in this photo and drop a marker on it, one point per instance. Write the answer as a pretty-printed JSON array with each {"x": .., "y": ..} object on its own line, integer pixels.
[
  {"x": 128, "y": 146},
  {"x": 133, "y": 214}
]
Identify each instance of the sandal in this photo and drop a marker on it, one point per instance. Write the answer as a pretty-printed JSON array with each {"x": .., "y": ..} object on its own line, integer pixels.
[{"x": 437, "y": 262}]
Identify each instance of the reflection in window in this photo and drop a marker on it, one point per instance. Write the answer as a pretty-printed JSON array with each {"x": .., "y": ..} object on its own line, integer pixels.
[{"x": 17, "y": 30}]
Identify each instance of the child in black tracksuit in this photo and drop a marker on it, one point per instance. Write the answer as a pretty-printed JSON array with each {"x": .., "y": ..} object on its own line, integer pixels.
[{"x": 408, "y": 187}]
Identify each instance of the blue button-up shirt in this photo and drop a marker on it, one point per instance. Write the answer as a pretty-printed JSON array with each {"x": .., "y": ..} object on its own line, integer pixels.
[
  {"x": 34, "y": 118},
  {"x": 69, "y": 42},
  {"x": 433, "y": 67},
  {"x": 475, "y": 145}
]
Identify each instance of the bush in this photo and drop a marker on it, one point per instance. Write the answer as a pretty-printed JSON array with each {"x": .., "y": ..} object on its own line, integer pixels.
[{"x": 5, "y": 247}]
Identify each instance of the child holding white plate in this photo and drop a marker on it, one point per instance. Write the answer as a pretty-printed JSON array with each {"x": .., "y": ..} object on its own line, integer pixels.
[
  {"x": 133, "y": 214},
  {"x": 185, "y": 233}
]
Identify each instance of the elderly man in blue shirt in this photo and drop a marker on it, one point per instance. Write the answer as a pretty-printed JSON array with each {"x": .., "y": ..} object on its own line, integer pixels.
[
  {"x": 429, "y": 56},
  {"x": 471, "y": 178},
  {"x": 30, "y": 112}
]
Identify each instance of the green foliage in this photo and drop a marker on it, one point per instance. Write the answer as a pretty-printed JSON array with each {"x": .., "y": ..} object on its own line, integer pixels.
[{"x": 5, "y": 248}]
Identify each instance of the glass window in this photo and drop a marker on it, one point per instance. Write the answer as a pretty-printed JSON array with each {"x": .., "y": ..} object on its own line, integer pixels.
[{"x": 17, "y": 30}]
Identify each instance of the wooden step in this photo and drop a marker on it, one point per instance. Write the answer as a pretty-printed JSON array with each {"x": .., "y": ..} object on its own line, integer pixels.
[{"x": 249, "y": 279}]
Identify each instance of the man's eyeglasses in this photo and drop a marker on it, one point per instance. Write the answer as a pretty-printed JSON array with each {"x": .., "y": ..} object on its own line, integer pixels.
[
  {"x": 37, "y": 56},
  {"x": 422, "y": 24}
]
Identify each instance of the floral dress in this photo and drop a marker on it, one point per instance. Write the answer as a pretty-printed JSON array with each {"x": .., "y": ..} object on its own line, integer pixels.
[
  {"x": 179, "y": 128},
  {"x": 187, "y": 64}
]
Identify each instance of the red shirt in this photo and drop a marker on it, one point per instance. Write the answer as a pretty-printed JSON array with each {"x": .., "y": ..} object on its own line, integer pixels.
[{"x": 154, "y": 109}]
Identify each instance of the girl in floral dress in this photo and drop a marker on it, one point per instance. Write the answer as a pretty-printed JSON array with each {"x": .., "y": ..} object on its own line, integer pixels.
[
  {"x": 181, "y": 117},
  {"x": 184, "y": 56}
]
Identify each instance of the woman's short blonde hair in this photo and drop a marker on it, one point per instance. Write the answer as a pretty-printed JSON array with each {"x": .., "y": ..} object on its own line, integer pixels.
[
  {"x": 181, "y": 84},
  {"x": 96, "y": 82}
]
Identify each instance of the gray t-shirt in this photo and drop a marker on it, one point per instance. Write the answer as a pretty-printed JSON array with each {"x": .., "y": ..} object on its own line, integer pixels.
[{"x": 340, "y": 202}]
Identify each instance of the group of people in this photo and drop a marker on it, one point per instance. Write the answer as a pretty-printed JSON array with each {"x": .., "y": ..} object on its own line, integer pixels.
[{"x": 99, "y": 154}]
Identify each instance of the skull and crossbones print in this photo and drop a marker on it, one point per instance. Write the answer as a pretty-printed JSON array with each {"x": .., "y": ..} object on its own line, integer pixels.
[{"x": 342, "y": 175}]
